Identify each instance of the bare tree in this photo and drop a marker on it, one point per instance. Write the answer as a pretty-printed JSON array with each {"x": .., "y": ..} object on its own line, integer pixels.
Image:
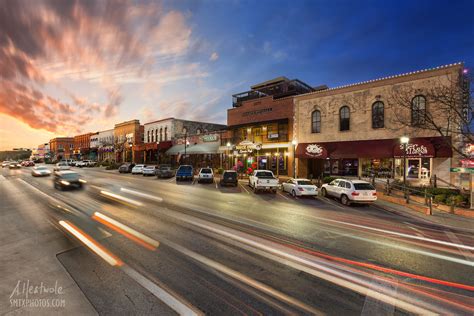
[{"x": 444, "y": 107}]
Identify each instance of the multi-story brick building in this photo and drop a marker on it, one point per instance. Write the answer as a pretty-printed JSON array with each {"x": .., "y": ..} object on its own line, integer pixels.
[
  {"x": 260, "y": 125},
  {"x": 128, "y": 138},
  {"x": 82, "y": 146},
  {"x": 355, "y": 130},
  {"x": 61, "y": 148},
  {"x": 105, "y": 144}
]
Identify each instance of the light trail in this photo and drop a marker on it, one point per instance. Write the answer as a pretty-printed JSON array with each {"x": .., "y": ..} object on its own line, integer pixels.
[
  {"x": 120, "y": 198},
  {"x": 126, "y": 231},
  {"x": 141, "y": 194}
]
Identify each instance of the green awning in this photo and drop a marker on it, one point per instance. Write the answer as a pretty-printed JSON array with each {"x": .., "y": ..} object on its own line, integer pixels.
[{"x": 210, "y": 148}]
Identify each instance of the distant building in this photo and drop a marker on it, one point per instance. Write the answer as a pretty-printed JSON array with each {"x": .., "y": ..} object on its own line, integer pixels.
[
  {"x": 128, "y": 136},
  {"x": 61, "y": 148},
  {"x": 82, "y": 146},
  {"x": 105, "y": 144}
]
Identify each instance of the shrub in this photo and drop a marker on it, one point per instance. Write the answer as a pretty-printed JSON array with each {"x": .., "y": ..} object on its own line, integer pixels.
[
  {"x": 220, "y": 171},
  {"x": 112, "y": 166},
  {"x": 440, "y": 198},
  {"x": 455, "y": 200},
  {"x": 328, "y": 179}
]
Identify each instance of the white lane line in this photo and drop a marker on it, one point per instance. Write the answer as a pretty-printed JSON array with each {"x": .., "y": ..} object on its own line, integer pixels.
[
  {"x": 178, "y": 305},
  {"x": 280, "y": 194},
  {"x": 401, "y": 234},
  {"x": 141, "y": 194},
  {"x": 244, "y": 188},
  {"x": 120, "y": 198}
]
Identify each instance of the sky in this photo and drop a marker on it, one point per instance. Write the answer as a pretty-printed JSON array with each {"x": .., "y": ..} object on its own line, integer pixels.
[{"x": 70, "y": 67}]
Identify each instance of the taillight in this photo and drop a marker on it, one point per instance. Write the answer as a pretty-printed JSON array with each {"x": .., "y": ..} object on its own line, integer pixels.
[
  {"x": 301, "y": 189},
  {"x": 355, "y": 193},
  {"x": 374, "y": 194}
]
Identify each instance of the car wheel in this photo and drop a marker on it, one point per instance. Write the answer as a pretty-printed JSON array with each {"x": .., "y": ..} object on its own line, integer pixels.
[
  {"x": 345, "y": 200},
  {"x": 293, "y": 193},
  {"x": 324, "y": 192}
]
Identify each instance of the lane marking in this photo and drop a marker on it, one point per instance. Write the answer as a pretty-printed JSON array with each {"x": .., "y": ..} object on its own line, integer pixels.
[
  {"x": 120, "y": 198},
  {"x": 243, "y": 187},
  {"x": 280, "y": 194},
  {"x": 141, "y": 194}
]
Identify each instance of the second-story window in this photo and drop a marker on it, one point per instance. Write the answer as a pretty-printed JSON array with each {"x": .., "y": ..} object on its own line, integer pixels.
[
  {"x": 148, "y": 137},
  {"x": 316, "y": 122},
  {"x": 152, "y": 136},
  {"x": 156, "y": 134},
  {"x": 166, "y": 134},
  {"x": 418, "y": 110},
  {"x": 161, "y": 134},
  {"x": 344, "y": 118},
  {"x": 378, "y": 118}
]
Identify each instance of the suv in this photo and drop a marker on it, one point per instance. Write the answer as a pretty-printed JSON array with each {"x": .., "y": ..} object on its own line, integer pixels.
[
  {"x": 67, "y": 180},
  {"x": 185, "y": 172},
  {"x": 164, "y": 171},
  {"x": 205, "y": 174},
  {"x": 126, "y": 168},
  {"x": 229, "y": 177},
  {"x": 350, "y": 191}
]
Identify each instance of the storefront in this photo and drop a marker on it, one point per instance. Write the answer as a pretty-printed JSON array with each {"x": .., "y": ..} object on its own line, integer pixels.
[
  {"x": 199, "y": 151},
  {"x": 380, "y": 158}
]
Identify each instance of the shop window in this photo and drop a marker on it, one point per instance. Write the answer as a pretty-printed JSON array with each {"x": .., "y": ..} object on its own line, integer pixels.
[
  {"x": 344, "y": 118},
  {"x": 378, "y": 117},
  {"x": 418, "y": 110},
  {"x": 316, "y": 122}
]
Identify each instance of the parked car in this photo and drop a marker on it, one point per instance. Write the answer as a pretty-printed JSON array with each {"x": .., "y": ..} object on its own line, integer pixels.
[
  {"x": 185, "y": 172},
  {"x": 61, "y": 166},
  {"x": 68, "y": 161},
  {"x": 126, "y": 168},
  {"x": 263, "y": 180},
  {"x": 67, "y": 180},
  {"x": 205, "y": 175},
  {"x": 300, "y": 187},
  {"x": 150, "y": 171},
  {"x": 138, "y": 169},
  {"x": 40, "y": 171},
  {"x": 229, "y": 177},
  {"x": 14, "y": 165},
  {"x": 5, "y": 163},
  {"x": 165, "y": 171},
  {"x": 350, "y": 191},
  {"x": 27, "y": 163}
]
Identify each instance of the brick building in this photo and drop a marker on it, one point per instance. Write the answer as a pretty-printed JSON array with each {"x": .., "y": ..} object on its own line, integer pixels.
[
  {"x": 82, "y": 146},
  {"x": 61, "y": 148},
  {"x": 260, "y": 125},
  {"x": 353, "y": 131},
  {"x": 128, "y": 137}
]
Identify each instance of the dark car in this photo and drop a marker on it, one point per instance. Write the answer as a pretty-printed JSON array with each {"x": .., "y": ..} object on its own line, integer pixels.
[
  {"x": 165, "y": 171},
  {"x": 229, "y": 177},
  {"x": 185, "y": 172},
  {"x": 64, "y": 180},
  {"x": 126, "y": 168}
]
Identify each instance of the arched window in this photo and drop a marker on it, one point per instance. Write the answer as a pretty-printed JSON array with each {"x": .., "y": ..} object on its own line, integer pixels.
[
  {"x": 316, "y": 122},
  {"x": 161, "y": 134},
  {"x": 148, "y": 137},
  {"x": 344, "y": 118},
  {"x": 152, "y": 136},
  {"x": 378, "y": 118},
  {"x": 156, "y": 135},
  {"x": 418, "y": 110},
  {"x": 166, "y": 134}
]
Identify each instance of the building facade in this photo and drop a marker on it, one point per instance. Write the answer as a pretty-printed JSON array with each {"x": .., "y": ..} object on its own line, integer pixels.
[
  {"x": 41, "y": 152},
  {"x": 94, "y": 146},
  {"x": 260, "y": 126},
  {"x": 128, "y": 137},
  {"x": 356, "y": 130},
  {"x": 105, "y": 146},
  {"x": 61, "y": 148},
  {"x": 82, "y": 146}
]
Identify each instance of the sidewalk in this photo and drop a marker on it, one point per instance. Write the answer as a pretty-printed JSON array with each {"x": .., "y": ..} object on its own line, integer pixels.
[{"x": 28, "y": 248}]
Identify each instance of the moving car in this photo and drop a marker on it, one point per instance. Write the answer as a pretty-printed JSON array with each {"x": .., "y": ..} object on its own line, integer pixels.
[
  {"x": 263, "y": 180},
  {"x": 126, "y": 168},
  {"x": 14, "y": 165},
  {"x": 350, "y": 191},
  {"x": 185, "y": 172},
  {"x": 27, "y": 163},
  {"x": 67, "y": 180},
  {"x": 300, "y": 187},
  {"x": 205, "y": 175},
  {"x": 150, "y": 171},
  {"x": 5, "y": 163},
  {"x": 229, "y": 177},
  {"x": 62, "y": 166},
  {"x": 165, "y": 171},
  {"x": 40, "y": 171},
  {"x": 138, "y": 169}
]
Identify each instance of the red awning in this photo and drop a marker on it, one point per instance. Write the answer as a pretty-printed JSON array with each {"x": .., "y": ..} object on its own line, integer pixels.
[
  {"x": 153, "y": 146},
  {"x": 381, "y": 148}
]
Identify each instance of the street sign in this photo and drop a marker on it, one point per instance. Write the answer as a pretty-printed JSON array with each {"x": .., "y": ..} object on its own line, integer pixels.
[{"x": 462, "y": 170}]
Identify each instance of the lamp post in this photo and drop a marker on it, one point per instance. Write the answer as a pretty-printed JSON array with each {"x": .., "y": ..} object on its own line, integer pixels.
[
  {"x": 185, "y": 144},
  {"x": 277, "y": 155},
  {"x": 228, "y": 153},
  {"x": 294, "y": 157},
  {"x": 131, "y": 153},
  {"x": 404, "y": 140}
]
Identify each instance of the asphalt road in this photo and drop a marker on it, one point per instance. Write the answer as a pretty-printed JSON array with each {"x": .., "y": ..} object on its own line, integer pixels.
[{"x": 157, "y": 246}]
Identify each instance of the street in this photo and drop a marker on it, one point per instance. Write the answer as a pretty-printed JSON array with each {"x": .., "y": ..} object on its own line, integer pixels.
[{"x": 137, "y": 245}]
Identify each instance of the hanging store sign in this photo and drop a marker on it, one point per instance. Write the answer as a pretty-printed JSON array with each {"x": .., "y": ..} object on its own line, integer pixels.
[
  {"x": 311, "y": 150},
  {"x": 462, "y": 170},
  {"x": 210, "y": 138},
  {"x": 247, "y": 147},
  {"x": 416, "y": 149}
]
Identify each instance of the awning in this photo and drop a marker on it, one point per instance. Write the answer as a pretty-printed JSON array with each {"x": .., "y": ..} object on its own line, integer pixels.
[{"x": 210, "y": 148}]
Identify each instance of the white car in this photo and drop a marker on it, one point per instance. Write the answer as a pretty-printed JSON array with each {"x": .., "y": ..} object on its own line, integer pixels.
[
  {"x": 40, "y": 171},
  {"x": 205, "y": 175},
  {"x": 149, "y": 171},
  {"x": 81, "y": 164},
  {"x": 138, "y": 169},
  {"x": 350, "y": 191},
  {"x": 60, "y": 166},
  {"x": 300, "y": 187},
  {"x": 6, "y": 163},
  {"x": 261, "y": 180}
]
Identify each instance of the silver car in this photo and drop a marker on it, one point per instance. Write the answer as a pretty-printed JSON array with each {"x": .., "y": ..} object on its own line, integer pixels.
[{"x": 150, "y": 171}]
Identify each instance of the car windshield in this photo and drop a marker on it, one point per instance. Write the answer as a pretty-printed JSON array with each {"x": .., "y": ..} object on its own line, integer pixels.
[
  {"x": 206, "y": 170},
  {"x": 41, "y": 168},
  {"x": 139, "y": 166},
  {"x": 264, "y": 174},
  {"x": 230, "y": 174},
  {"x": 304, "y": 182},
  {"x": 165, "y": 168},
  {"x": 70, "y": 176},
  {"x": 363, "y": 186}
]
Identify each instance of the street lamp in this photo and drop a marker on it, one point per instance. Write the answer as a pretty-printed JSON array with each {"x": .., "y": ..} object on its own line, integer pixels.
[
  {"x": 294, "y": 142},
  {"x": 228, "y": 154},
  {"x": 404, "y": 140}
]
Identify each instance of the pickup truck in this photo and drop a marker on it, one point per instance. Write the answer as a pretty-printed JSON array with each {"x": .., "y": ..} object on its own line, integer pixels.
[
  {"x": 263, "y": 180},
  {"x": 185, "y": 172}
]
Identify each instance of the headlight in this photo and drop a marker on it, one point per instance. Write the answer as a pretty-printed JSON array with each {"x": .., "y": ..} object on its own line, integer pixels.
[
  {"x": 82, "y": 181},
  {"x": 65, "y": 182}
]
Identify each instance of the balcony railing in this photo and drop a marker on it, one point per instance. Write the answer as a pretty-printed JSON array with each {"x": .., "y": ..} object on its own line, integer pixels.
[{"x": 238, "y": 98}]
